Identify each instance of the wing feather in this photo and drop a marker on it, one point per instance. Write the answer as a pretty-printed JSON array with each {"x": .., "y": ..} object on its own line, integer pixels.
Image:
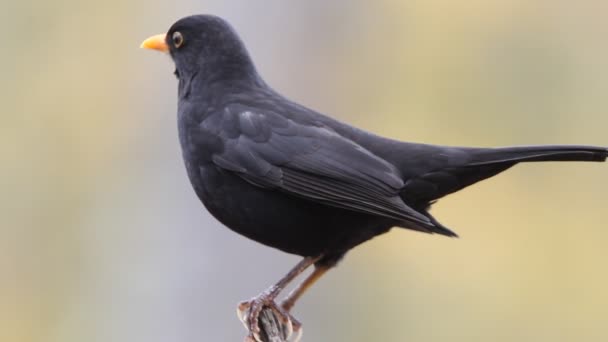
[{"x": 312, "y": 162}]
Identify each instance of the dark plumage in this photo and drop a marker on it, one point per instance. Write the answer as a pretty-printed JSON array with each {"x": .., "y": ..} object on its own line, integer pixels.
[{"x": 294, "y": 179}]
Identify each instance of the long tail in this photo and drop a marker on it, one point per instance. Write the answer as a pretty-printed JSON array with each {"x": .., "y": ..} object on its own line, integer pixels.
[
  {"x": 538, "y": 153},
  {"x": 466, "y": 166}
]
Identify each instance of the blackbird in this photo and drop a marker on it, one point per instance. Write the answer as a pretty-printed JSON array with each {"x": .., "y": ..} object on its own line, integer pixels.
[{"x": 299, "y": 181}]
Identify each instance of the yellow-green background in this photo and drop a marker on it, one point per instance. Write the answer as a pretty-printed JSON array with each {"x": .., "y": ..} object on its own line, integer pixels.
[{"x": 103, "y": 240}]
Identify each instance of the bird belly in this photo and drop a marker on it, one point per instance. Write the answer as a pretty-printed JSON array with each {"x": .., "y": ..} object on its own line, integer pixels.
[{"x": 278, "y": 220}]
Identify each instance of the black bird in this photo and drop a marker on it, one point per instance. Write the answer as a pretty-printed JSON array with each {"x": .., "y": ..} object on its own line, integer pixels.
[{"x": 297, "y": 180}]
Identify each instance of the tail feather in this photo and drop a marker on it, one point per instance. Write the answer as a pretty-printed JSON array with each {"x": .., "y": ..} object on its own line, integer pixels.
[
  {"x": 481, "y": 163},
  {"x": 539, "y": 153},
  {"x": 477, "y": 164}
]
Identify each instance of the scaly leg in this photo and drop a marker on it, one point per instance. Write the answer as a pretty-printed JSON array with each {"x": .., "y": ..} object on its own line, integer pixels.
[
  {"x": 249, "y": 311},
  {"x": 291, "y": 299}
]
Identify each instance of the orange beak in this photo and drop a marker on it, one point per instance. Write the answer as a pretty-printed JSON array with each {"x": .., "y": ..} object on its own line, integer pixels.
[{"x": 156, "y": 43}]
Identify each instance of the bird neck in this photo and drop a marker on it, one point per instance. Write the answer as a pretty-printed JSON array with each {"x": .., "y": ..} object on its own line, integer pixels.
[
  {"x": 229, "y": 71},
  {"x": 210, "y": 84},
  {"x": 225, "y": 70}
]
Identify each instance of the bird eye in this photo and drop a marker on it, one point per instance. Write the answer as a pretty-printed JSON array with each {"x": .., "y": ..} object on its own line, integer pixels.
[{"x": 178, "y": 39}]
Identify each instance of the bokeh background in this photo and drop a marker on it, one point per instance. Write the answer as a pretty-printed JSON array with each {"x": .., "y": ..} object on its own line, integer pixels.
[{"x": 102, "y": 238}]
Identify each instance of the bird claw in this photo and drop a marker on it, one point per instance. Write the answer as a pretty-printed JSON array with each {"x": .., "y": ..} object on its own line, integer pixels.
[{"x": 260, "y": 314}]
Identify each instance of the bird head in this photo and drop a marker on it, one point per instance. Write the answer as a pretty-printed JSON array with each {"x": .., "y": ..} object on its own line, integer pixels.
[{"x": 204, "y": 46}]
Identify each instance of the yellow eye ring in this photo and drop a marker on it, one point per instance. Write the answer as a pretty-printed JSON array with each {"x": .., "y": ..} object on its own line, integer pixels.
[{"x": 177, "y": 39}]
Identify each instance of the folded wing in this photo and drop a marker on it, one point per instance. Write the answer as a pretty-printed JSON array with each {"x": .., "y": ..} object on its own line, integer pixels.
[{"x": 313, "y": 162}]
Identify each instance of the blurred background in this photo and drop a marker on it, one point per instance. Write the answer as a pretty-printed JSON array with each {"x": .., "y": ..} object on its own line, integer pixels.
[{"x": 102, "y": 238}]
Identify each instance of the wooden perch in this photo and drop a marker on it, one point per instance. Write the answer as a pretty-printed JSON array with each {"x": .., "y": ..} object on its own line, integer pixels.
[{"x": 273, "y": 329}]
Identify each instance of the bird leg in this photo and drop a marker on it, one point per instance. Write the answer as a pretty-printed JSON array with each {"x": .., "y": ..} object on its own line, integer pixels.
[
  {"x": 249, "y": 311},
  {"x": 294, "y": 295}
]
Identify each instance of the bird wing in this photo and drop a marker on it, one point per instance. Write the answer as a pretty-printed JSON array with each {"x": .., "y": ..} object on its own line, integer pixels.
[{"x": 310, "y": 161}]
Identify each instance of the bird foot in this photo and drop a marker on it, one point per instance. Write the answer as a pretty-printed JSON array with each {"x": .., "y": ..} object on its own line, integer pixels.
[{"x": 268, "y": 322}]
